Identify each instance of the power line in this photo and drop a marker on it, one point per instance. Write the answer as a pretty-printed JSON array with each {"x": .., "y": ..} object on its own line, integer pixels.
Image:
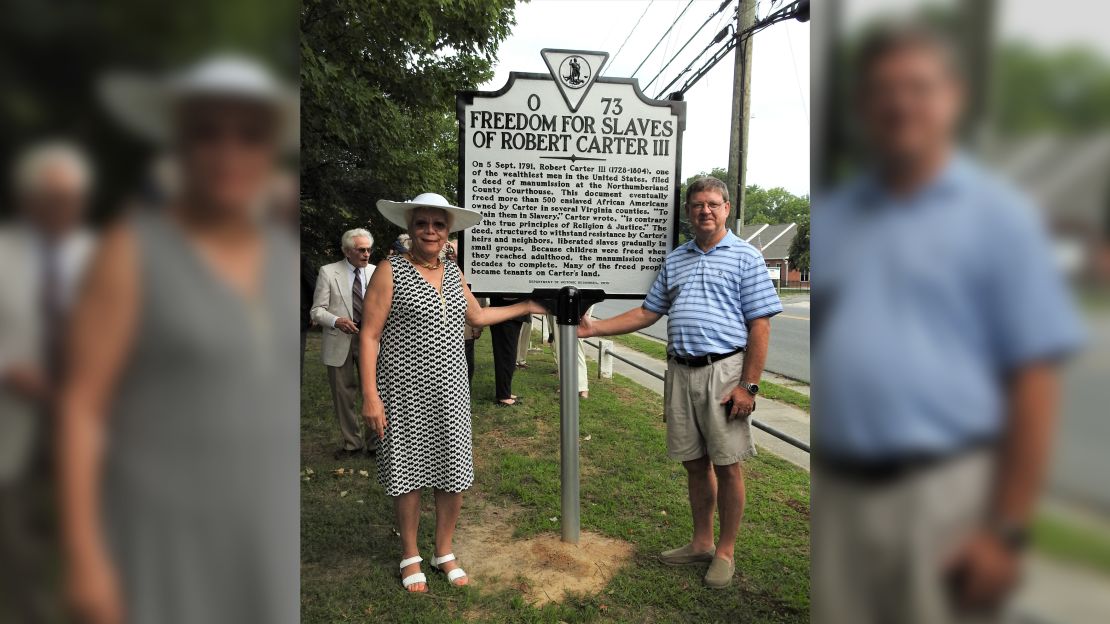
[
  {"x": 688, "y": 41},
  {"x": 630, "y": 32},
  {"x": 716, "y": 39},
  {"x": 667, "y": 49},
  {"x": 653, "y": 49},
  {"x": 797, "y": 80},
  {"x": 798, "y": 10}
]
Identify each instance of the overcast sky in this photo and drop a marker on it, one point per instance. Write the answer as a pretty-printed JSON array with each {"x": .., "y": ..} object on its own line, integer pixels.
[{"x": 778, "y": 140}]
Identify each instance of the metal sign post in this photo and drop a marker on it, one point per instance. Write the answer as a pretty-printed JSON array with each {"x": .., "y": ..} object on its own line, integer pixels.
[
  {"x": 577, "y": 177},
  {"x": 567, "y": 316}
]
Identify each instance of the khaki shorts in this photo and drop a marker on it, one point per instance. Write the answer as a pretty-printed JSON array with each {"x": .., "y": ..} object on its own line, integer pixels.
[
  {"x": 907, "y": 529},
  {"x": 696, "y": 423}
]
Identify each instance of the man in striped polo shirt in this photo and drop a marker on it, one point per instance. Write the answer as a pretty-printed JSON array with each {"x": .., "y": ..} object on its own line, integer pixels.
[{"x": 719, "y": 298}]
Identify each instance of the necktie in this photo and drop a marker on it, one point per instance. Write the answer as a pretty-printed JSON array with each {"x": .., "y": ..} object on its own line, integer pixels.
[
  {"x": 52, "y": 312},
  {"x": 356, "y": 297}
]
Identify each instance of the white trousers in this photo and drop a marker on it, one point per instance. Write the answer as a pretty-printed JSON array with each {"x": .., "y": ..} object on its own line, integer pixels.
[{"x": 524, "y": 341}]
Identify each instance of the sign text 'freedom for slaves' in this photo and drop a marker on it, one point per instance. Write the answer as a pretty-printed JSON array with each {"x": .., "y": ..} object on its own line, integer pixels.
[{"x": 576, "y": 177}]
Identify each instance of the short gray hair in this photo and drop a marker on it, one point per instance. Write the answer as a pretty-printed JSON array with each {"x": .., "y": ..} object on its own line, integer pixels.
[
  {"x": 706, "y": 183},
  {"x": 887, "y": 38},
  {"x": 348, "y": 240},
  {"x": 36, "y": 159}
]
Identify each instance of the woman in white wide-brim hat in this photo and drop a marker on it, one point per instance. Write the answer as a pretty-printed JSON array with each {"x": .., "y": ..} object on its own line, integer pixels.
[
  {"x": 152, "y": 106},
  {"x": 416, "y": 395},
  {"x": 179, "y": 422}
]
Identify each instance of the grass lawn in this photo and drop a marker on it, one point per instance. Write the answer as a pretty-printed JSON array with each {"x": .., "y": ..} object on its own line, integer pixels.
[
  {"x": 1094, "y": 300},
  {"x": 1069, "y": 541},
  {"x": 778, "y": 392},
  {"x": 647, "y": 346},
  {"x": 349, "y": 551},
  {"x": 658, "y": 350}
]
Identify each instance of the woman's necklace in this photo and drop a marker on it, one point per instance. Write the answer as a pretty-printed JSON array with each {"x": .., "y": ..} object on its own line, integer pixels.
[
  {"x": 426, "y": 265},
  {"x": 439, "y": 291}
]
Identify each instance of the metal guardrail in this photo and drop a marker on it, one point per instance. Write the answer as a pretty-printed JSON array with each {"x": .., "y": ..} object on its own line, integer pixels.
[
  {"x": 627, "y": 361},
  {"x": 782, "y": 435},
  {"x": 785, "y": 437}
]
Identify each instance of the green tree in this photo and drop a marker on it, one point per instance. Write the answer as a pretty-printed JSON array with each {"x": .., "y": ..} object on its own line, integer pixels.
[
  {"x": 1062, "y": 91},
  {"x": 378, "y": 83},
  {"x": 799, "y": 248},
  {"x": 775, "y": 205},
  {"x": 53, "y": 54}
]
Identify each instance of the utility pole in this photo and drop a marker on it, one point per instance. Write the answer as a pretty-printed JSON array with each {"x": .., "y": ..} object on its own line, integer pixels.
[
  {"x": 827, "y": 135},
  {"x": 741, "y": 112},
  {"x": 978, "y": 19}
]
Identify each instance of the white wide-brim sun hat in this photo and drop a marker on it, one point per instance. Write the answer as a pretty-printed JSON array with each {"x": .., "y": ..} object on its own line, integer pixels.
[
  {"x": 395, "y": 212},
  {"x": 147, "y": 105}
]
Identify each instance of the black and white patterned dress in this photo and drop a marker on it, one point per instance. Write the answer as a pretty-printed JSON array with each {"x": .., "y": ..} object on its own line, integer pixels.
[{"x": 423, "y": 384}]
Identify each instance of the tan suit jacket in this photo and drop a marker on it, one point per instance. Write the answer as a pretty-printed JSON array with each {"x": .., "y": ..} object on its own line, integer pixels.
[
  {"x": 21, "y": 333},
  {"x": 331, "y": 301}
]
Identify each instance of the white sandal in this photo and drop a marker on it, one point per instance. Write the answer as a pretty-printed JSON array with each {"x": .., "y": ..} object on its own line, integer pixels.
[
  {"x": 413, "y": 579},
  {"x": 452, "y": 575}
]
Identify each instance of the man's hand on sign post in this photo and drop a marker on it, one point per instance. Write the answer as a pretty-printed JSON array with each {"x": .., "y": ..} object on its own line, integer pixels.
[
  {"x": 585, "y": 327},
  {"x": 535, "y": 307},
  {"x": 743, "y": 403}
]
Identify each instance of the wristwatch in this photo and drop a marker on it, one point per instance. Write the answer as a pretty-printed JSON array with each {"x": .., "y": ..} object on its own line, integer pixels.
[
  {"x": 753, "y": 389},
  {"x": 1014, "y": 535}
]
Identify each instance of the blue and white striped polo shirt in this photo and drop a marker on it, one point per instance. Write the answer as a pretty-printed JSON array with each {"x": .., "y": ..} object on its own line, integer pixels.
[{"x": 709, "y": 297}]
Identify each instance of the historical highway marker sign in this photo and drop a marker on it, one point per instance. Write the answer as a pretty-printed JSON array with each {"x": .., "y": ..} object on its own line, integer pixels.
[{"x": 576, "y": 176}]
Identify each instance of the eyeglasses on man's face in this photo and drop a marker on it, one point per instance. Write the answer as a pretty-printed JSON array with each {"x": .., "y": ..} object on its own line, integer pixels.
[{"x": 696, "y": 206}]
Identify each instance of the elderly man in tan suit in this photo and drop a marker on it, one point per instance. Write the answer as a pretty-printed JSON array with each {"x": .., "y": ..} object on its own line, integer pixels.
[
  {"x": 42, "y": 259},
  {"x": 337, "y": 309}
]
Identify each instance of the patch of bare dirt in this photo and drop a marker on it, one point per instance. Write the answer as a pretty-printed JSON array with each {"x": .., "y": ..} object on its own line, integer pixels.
[
  {"x": 543, "y": 568},
  {"x": 500, "y": 438},
  {"x": 798, "y": 506}
]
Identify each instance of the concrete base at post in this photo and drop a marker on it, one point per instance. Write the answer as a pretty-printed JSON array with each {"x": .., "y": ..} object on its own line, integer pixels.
[{"x": 552, "y": 569}]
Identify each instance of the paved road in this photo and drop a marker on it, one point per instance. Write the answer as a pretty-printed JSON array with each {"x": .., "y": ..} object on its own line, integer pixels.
[
  {"x": 789, "y": 352},
  {"x": 1081, "y": 464}
]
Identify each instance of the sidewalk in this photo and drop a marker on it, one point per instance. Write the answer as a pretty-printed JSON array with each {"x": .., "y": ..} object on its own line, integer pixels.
[
  {"x": 1058, "y": 593},
  {"x": 793, "y": 384}
]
